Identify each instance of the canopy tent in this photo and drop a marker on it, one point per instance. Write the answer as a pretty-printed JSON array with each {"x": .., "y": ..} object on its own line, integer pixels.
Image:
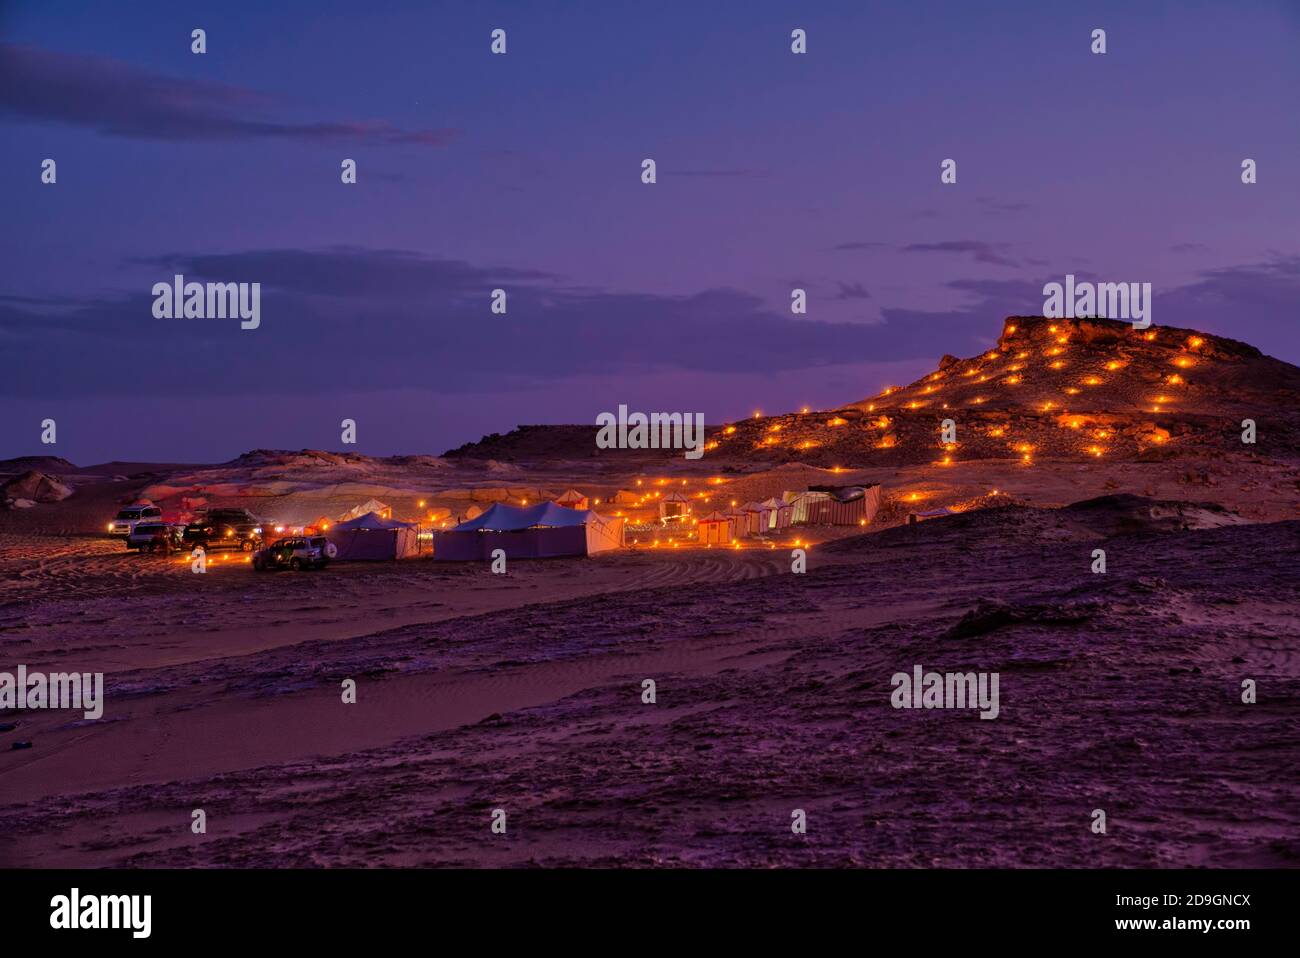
[
  {"x": 739, "y": 522},
  {"x": 373, "y": 537},
  {"x": 755, "y": 517},
  {"x": 780, "y": 514},
  {"x": 673, "y": 506},
  {"x": 369, "y": 506},
  {"x": 539, "y": 531},
  {"x": 798, "y": 502},
  {"x": 715, "y": 528},
  {"x": 573, "y": 499}
]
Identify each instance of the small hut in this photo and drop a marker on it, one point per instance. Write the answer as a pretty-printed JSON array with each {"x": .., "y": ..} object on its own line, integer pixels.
[
  {"x": 715, "y": 529},
  {"x": 739, "y": 522},
  {"x": 674, "y": 507},
  {"x": 780, "y": 514},
  {"x": 755, "y": 518}
]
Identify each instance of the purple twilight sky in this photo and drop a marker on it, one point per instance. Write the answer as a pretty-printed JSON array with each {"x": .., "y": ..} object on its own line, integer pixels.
[{"x": 522, "y": 171}]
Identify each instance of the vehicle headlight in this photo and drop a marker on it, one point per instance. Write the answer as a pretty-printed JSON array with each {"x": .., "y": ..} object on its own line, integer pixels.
[
  {"x": 110, "y": 527},
  {"x": 258, "y": 530}
]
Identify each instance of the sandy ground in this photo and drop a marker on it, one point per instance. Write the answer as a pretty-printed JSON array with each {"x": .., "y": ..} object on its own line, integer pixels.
[{"x": 523, "y": 692}]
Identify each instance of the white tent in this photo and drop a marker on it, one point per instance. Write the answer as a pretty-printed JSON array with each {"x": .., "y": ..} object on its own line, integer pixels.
[
  {"x": 780, "y": 514},
  {"x": 370, "y": 505},
  {"x": 373, "y": 537},
  {"x": 538, "y": 531},
  {"x": 673, "y": 507}
]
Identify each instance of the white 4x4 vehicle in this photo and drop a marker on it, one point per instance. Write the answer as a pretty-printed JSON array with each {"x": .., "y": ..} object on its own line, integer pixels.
[
  {"x": 295, "y": 552},
  {"x": 132, "y": 516}
]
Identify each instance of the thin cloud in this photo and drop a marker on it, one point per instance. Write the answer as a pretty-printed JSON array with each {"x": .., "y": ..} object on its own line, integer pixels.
[
  {"x": 982, "y": 252},
  {"x": 118, "y": 99},
  {"x": 857, "y": 245},
  {"x": 852, "y": 291}
]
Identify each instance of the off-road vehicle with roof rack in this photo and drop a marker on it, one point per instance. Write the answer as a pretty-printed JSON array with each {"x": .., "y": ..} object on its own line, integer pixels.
[{"x": 224, "y": 529}]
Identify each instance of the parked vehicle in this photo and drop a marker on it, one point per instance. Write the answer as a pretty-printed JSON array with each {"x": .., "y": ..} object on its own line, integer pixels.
[
  {"x": 295, "y": 552},
  {"x": 155, "y": 537},
  {"x": 131, "y": 516},
  {"x": 224, "y": 529}
]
